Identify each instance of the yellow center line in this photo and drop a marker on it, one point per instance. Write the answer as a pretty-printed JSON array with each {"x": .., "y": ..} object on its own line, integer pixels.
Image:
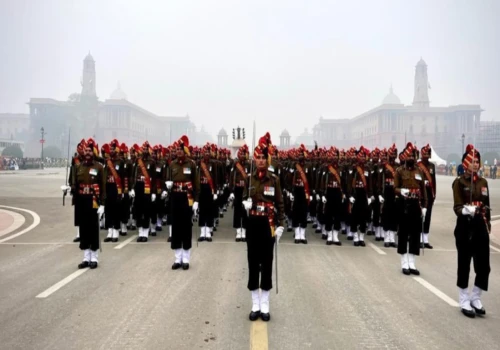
[{"x": 258, "y": 335}]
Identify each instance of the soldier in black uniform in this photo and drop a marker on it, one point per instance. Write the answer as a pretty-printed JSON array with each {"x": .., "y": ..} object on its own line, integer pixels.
[
  {"x": 114, "y": 175},
  {"x": 125, "y": 202},
  {"x": 144, "y": 191},
  {"x": 89, "y": 190},
  {"x": 410, "y": 187},
  {"x": 209, "y": 171},
  {"x": 263, "y": 200},
  {"x": 237, "y": 183},
  {"x": 471, "y": 199},
  {"x": 429, "y": 171},
  {"x": 184, "y": 188},
  {"x": 77, "y": 159}
]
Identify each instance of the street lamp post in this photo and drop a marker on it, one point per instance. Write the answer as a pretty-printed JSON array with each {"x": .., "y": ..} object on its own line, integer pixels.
[
  {"x": 42, "y": 141},
  {"x": 463, "y": 140}
]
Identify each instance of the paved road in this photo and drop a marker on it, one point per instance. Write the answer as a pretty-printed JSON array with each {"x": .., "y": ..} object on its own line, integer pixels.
[{"x": 329, "y": 297}]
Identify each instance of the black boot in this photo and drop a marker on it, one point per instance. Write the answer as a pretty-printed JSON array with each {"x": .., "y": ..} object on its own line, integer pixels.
[
  {"x": 77, "y": 239},
  {"x": 254, "y": 315},
  {"x": 93, "y": 265},
  {"x": 469, "y": 313},
  {"x": 265, "y": 317},
  {"x": 83, "y": 265},
  {"x": 107, "y": 239},
  {"x": 406, "y": 272},
  {"x": 176, "y": 266}
]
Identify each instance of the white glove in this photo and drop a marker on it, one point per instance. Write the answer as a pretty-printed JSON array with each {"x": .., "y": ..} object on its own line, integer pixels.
[
  {"x": 279, "y": 232},
  {"x": 153, "y": 197},
  {"x": 65, "y": 188},
  {"x": 131, "y": 193},
  {"x": 323, "y": 199},
  {"x": 169, "y": 184},
  {"x": 231, "y": 197},
  {"x": 291, "y": 197},
  {"x": 215, "y": 197},
  {"x": 405, "y": 192},
  {"x": 195, "y": 207},
  {"x": 352, "y": 200},
  {"x": 100, "y": 211},
  {"x": 469, "y": 210},
  {"x": 424, "y": 211},
  {"x": 318, "y": 197},
  {"x": 381, "y": 199},
  {"x": 369, "y": 201},
  {"x": 248, "y": 204},
  {"x": 164, "y": 194}
]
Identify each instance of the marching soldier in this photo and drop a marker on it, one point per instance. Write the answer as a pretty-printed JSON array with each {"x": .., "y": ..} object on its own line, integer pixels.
[
  {"x": 125, "y": 202},
  {"x": 114, "y": 174},
  {"x": 361, "y": 197},
  {"x": 262, "y": 198},
  {"x": 144, "y": 191},
  {"x": 387, "y": 196},
  {"x": 429, "y": 171},
  {"x": 135, "y": 151},
  {"x": 300, "y": 196},
  {"x": 184, "y": 186},
  {"x": 89, "y": 191},
  {"x": 410, "y": 187},
  {"x": 332, "y": 197},
  {"x": 158, "y": 208},
  {"x": 472, "y": 207},
  {"x": 209, "y": 209},
  {"x": 237, "y": 181},
  {"x": 77, "y": 159}
]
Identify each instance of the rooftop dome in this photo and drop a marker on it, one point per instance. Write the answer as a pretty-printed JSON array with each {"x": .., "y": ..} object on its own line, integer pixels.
[
  {"x": 285, "y": 133},
  {"x": 89, "y": 57},
  {"x": 118, "y": 94},
  {"x": 391, "y": 98},
  {"x": 222, "y": 132},
  {"x": 421, "y": 62}
]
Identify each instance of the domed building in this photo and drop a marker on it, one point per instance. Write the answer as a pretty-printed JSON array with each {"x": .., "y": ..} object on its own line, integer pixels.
[
  {"x": 391, "y": 98},
  {"x": 118, "y": 93}
]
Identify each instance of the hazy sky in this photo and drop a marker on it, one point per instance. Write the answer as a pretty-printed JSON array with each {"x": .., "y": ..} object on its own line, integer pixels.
[{"x": 226, "y": 62}]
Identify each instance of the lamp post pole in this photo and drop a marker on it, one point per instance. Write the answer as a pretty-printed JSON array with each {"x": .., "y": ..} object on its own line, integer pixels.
[
  {"x": 42, "y": 141},
  {"x": 463, "y": 140}
]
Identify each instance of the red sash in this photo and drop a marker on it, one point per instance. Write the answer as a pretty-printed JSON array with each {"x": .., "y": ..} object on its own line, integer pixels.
[
  {"x": 363, "y": 178},
  {"x": 147, "y": 179},
  {"x": 117, "y": 178},
  {"x": 207, "y": 175},
  {"x": 428, "y": 176},
  {"x": 334, "y": 173},
  {"x": 304, "y": 180},
  {"x": 241, "y": 170},
  {"x": 391, "y": 169}
]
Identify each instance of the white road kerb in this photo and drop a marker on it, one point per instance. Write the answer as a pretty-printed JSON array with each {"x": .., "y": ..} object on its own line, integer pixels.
[
  {"x": 17, "y": 221},
  {"x": 36, "y": 222}
]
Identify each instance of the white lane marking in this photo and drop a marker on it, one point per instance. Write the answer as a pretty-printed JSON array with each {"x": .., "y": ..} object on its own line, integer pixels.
[
  {"x": 436, "y": 292},
  {"x": 377, "y": 249},
  {"x": 125, "y": 242},
  {"x": 18, "y": 222},
  {"x": 495, "y": 217},
  {"x": 36, "y": 222},
  {"x": 495, "y": 249},
  {"x": 61, "y": 283}
]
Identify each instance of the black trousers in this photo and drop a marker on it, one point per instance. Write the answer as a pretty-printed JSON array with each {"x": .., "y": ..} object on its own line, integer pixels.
[
  {"x": 239, "y": 213},
  {"x": 125, "y": 209},
  {"x": 376, "y": 212},
  {"x": 333, "y": 209},
  {"x": 299, "y": 208},
  {"x": 360, "y": 214},
  {"x": 89, "y": 223},
  {"x": 472, "y": 242},
  {"x": 427, "y": 222},
  {"x": 410, "y": 227},
  {"x": 112, "y": 208},
  {"x": 182, "y": 225},
  {"x": 389, "y": 210},
  {"x": 260, "y": 245}
]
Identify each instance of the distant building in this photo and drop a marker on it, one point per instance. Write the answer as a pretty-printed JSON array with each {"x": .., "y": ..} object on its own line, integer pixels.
[
  {"x": 14, "y": 125},
  {"x": 393, "y": 122},
  {"x": 116, "y": 117}
]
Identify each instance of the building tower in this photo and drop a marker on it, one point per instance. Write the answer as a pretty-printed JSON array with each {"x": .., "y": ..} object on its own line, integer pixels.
[
  {"x": 285, "y": 139},
  {"x": 422, "y": 86},
  {"x": 222, "y": 138},
  {"x": 88, "y": 78}
]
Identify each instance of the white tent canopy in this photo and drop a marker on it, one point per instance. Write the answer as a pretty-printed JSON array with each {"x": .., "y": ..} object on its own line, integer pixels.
[{"x": 436, "y": 159}]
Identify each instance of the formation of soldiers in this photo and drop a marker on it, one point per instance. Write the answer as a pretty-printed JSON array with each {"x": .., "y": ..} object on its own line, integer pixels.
[{"x": 354, "y": 192}]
